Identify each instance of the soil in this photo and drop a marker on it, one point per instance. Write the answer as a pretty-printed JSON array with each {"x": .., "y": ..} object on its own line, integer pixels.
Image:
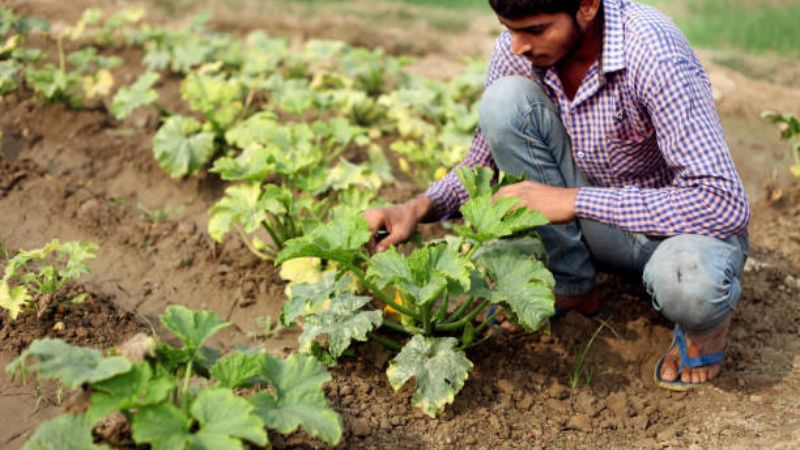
[{"x": 80, "y": 175}]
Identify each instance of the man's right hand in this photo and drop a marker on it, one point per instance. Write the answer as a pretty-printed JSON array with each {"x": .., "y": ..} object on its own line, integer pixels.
[{"x": 400, "y": 221}]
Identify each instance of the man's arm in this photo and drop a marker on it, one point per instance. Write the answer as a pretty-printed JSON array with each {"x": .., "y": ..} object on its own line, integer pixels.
[{"x": 706, "y": 195}]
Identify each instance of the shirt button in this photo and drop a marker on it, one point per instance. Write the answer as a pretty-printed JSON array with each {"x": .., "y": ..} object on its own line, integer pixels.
[{"x": 581, "y": 154}]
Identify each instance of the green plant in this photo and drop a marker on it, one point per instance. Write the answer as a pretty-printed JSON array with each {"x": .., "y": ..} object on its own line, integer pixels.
[
  {"x": 436, "y": 293},
  {"x": 183, "y": 397},
  {"x": 579, "y": 367},
  {"x": 789, "y": 127},
  {"x": 43, "y": 272}
]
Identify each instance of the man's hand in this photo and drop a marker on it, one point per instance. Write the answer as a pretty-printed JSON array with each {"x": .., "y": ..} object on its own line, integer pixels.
[
  {"x": 399, "y": 220},
  {"x": 556, "y": 203}
]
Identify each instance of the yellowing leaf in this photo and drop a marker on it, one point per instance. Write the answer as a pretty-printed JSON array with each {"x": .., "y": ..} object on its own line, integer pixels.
[
  {"x": 99, "y": 84},
  {"x": 13, "y": 299}
]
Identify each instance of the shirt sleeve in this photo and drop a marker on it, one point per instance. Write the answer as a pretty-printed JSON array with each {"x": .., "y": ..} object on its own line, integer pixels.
[
  {"x": 448, "y": 194},
  {"x": 706, "y": 195}
]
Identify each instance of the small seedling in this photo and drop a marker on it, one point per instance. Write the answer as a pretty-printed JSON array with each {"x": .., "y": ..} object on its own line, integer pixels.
[
  {"x": 267, "y": 328},
  {"x": 579, "y": 368},
  {"x": 152, "y": 216}
]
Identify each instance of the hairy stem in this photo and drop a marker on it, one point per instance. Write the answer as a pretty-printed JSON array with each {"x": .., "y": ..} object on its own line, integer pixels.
[
  {"x": 386, "y": 342},
  {"x": 392, "y": 325},
  {"x": 362, "y": 277},
  {"x": 452, "y": 326},
  {"x": 459, "y": 312}
]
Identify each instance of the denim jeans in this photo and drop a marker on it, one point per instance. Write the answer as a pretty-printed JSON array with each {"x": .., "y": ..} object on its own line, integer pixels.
[{"x": 693, "y": 279}]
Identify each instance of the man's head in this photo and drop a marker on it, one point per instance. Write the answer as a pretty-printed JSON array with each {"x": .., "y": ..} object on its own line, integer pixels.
[{"x": 546, "y": 31}]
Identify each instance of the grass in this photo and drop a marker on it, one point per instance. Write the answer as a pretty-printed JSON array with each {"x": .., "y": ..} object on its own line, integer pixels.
[{"x": 751, "y": 25}]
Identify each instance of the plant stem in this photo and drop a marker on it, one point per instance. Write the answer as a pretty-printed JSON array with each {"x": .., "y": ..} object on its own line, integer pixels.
[
  {"x": 426, "y": 318},
  {"x": 185, "y": 391},
  {"x": 251, "y": 247},
  {"x": 392, "y": 325},
  {"x": 461, "y": 323},
  {"x": 362, "y": 277},
  {"x": 386, "y": 342},
  {"x": 442, "y": 311},
  {"x": 459, "y": 312},
  {"x": 488, "y": 321},
  {"x": 278, "y": 243}
]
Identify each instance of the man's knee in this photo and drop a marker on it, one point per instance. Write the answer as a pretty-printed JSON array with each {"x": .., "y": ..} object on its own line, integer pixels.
[
  {"x": 504, "y": 103},
  {"x": 694, "y": 280}
]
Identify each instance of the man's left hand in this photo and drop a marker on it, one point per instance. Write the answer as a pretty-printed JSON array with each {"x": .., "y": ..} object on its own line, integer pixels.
[{"x": 556, "y": 203}]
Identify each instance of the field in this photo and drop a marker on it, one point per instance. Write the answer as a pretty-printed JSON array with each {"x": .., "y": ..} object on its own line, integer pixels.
[{"x": 79, "y": 173}]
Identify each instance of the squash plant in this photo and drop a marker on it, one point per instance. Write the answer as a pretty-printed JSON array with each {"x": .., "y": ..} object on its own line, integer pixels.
[
  {"x": 34, "y": 278},
  {"x": 432, "y": 297},
  {"x": 186, "y": 396}
]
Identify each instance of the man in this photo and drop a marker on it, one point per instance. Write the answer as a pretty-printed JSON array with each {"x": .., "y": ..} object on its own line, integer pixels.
[{"x": 608, "y": 112}]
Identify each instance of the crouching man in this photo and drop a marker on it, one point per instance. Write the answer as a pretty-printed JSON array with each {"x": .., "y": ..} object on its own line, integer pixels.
[{"x": 606, "y": 109}]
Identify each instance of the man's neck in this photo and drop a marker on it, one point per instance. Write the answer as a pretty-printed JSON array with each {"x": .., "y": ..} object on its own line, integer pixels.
[{"x": 573, "y": 68}]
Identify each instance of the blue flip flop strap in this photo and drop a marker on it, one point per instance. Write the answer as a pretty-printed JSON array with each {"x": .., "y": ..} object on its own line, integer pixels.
[{"x": 700, "y": 361}]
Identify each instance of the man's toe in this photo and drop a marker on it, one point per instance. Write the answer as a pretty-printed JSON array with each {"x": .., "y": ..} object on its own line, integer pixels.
[{"x": 669, "y": 368}]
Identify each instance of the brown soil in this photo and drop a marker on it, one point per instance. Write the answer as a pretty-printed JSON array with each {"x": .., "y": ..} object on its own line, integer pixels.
[{"x": 80, "y": 175}]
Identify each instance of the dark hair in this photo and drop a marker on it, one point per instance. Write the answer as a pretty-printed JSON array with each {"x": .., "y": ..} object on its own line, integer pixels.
[{"x": 517, "y": 9}]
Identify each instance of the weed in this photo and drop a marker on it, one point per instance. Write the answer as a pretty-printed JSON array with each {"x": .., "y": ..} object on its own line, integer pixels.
[{"x": 579, "y": 369}]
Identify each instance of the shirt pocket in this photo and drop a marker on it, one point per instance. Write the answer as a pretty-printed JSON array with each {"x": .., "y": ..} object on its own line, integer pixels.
[{"x": 633, "y": 152}]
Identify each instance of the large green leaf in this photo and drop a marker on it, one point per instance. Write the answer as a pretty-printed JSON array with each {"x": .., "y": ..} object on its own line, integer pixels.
[
  {"x": 65, "y": 432},
  {"x": 261, "y": 128},
  {"x": 347, "y": 174},
  {"x": 163, "y": 426},
  {"x": 342, "y": 322},
  {"x": 309, "y": 298},
  {"x": 488, "y": 219},
  {"x": 140, "y": 93},
  {"x": 73, "y": 366},
  {"x": 223, "y": 419},
  {"x": 525, "y": 245},
  {"x": 296, "y": 399},
  {"x": 340, "y": 240},
  {"x": 236, "y": 369},
  {"x": 219, "y": 411},
  {"x": 439, "y": 369},
  {"x": 134, "y": 389},
  {"x": 424, "y": 275},
  {"x": 181, "y": 148},
  {"x": 246, "y": 205},
  {"x": 522, "y": 283},
  {"x": 477, "y": 181},
  {"x": 255, "y": 163},
  {"x": 192, "y": 327},
  {"x": 219, "y": 99}
]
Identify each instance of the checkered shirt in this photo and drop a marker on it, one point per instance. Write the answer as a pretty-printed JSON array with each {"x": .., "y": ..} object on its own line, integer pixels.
[{"x": 644, "y": 129}]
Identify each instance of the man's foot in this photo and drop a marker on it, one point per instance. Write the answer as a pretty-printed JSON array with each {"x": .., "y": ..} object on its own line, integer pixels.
[
  {"x": 586, "y": 304},
  {"x": 696, "y": 345}
]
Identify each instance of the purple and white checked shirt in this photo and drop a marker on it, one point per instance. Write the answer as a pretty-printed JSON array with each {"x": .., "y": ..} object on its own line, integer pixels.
[{"x": 644, "y": 128}]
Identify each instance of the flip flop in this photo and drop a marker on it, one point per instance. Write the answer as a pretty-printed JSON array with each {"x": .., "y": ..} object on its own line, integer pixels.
[{"x": 679, "y": 339}]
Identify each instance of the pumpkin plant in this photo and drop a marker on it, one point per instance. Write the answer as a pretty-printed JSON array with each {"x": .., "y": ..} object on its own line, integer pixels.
[{"x": 435, "y": 299}]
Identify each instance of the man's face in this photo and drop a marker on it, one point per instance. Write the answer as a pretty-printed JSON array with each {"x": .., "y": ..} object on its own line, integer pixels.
[{"x": 544, "y": 39}]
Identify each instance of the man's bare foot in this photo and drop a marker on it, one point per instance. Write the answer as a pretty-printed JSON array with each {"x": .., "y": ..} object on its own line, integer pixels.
[
  {"x": 697, "y": 344},
  {"x": 586, "y": 304}
]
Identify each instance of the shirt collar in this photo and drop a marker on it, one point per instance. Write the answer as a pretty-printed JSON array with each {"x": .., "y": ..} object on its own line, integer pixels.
[{"x": 613, "y": 58}]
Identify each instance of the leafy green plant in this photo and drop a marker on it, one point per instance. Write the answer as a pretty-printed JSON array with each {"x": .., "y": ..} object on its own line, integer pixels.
[
  {"x": 789, "y": 127},
  {"x": 42, "y": 273},
  {"x": 435, "y": 294},
  {"x": 186, "y": 396}
]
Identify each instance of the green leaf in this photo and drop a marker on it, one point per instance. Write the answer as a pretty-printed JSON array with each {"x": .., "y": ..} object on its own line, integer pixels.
[
  {"x": 246, "y": 205},
  {"x": 522, "y": 283},
  {"x": 66, "y": 431},
  {"x": 255, "y": 163},
  {"x": 260, "y": 128},
  {"x": 181, "y": 148},
  {"x": 439, "y": 368},
  {"x": 192, "y": 327},
  {"x": 477, "y": 181},
  {"x": 236, "y": 369},
  {"x": 76, "y": 254},
  {"x": 9, "y": 71},
  {"x": 340, "y": 240},
  {"x": 309, "y": 298},
  {"x": 342, "y": 322},
  {"x": 525, "y": 245},
  {"x": 163, "y": 426},
  {"x": 13, "y": 300},
  {"x": 488, "y": 219},
  {"x": 297, "y": 399},
  {"x": 423, "y": 276},
  {"x": 219, "y": 99},
  {"x": 134, "y": 389},
  {"x": 221, "y": 412},
  {"x": 347, "y": 174},
  {"x": 73, "y": 366},
  {"x": 138, "y": 94}
]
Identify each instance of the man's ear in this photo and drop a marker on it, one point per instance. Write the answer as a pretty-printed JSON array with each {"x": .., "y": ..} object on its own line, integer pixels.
[{"x": 588, "y": 11}]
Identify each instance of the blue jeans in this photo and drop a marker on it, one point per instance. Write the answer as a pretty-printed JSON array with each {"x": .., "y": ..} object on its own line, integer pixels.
[{"x": 693, "y": 279}]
